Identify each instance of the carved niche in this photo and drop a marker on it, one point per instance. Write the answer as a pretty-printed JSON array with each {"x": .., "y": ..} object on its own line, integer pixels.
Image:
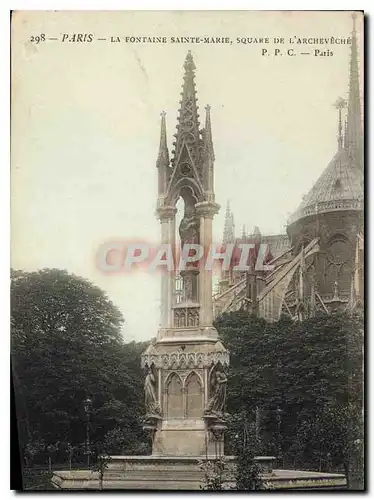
[
  {"x": 194, "y": 396},
  {"x": 183, "y": 395},
  {"x": 186, "y": 317},
  {"x": 174, "y": 397}
]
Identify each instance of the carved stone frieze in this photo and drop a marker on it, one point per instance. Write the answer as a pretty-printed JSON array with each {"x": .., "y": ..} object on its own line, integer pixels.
[
  {"x": 186, "y": 317},
  {"x": 184, "y": 375},
  {"x": 181, "y": 360}
]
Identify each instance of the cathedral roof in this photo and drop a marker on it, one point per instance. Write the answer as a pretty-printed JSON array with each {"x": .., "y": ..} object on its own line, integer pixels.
[
  {"x": 278, "y": 244},
  {"x": 341, "y": 185}
]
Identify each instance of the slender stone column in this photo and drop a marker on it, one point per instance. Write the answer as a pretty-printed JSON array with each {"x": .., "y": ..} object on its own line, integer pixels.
[
  {"x": 164, "y": 279},
  {"x": 171, "y": 274},
  {"x": 167, "y": 220},
  {"x": 206, "y": 210},
  {"x": 208, "y": 305},
  {"x": 160, "y": 399},
  {"x": 202, "y": 274},
  {"x": 205, "y": 386}
]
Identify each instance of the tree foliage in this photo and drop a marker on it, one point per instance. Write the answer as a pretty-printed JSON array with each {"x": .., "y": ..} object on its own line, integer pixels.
[
  {"x": 294, "y": 390},
  {"x": 213, "y": 478},
  {"x": 67, "y": 345},
  {"x": 306, "y": 379}
]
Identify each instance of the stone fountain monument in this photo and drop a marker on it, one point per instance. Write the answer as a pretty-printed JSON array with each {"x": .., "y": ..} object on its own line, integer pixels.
[
  {"x": 185, "y": 385},
  {"x": 185, "y": 369}
]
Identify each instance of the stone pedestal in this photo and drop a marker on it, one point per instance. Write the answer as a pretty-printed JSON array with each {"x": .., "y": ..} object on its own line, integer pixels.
[{"x": 182, "y": 364}]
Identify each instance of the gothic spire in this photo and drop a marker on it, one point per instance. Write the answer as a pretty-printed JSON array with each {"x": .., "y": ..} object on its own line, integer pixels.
[
  {"x": 339, "y": 105},
  {"x": 229, "y": 228},
  {"x": 208, "y": 141},
  {"x": 162, "y": 163},
  {"x": 208, "y": 153},
  {"x": 163, "y": 152},
  {"x": 345, "y": 139},
  {"x": 188, "y": 131},
  {"x": 354, "y": 128}
]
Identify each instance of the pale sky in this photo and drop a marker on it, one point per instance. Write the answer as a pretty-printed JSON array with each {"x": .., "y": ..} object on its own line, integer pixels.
[{"x": 85, "y": 131}]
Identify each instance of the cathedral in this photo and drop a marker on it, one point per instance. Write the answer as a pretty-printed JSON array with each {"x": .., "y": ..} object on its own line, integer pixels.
[{"x": 319, "y": 262}]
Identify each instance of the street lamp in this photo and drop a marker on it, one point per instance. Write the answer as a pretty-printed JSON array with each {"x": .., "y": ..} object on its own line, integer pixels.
[{"x": 87, "y": 403}]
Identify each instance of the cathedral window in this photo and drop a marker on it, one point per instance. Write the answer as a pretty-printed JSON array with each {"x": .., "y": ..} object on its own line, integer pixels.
[{"x": 338, "y": 264}]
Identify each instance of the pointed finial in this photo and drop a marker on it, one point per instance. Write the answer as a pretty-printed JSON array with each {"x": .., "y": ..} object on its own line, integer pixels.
[
  {"x": 228, "y": 231},
  {"x": 189, "y": 64},
  {"x": 163, "y": 130},
  {"x": 208, "y": 140},
  {"x": 188, "y": 127},
  {"x": 354, "y": 127},
  {"x": 256, "y": 231},
  {"x": 208, "y": 125},
  {"x": 163, "y": 153},
  {"x": 354, "y": 15},
  {"x": 340, "y": 104}
]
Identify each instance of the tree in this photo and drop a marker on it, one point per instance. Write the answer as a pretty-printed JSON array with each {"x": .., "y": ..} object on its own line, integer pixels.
[
  {"x": 295, "y": 373},
  {"x": 101, "y": 466},
  {"x": 245, "y": 445},
  {"x": 67, "y": 345},
  {"x": 333, "y": 438},
  {"x": 213, "y": 474}
]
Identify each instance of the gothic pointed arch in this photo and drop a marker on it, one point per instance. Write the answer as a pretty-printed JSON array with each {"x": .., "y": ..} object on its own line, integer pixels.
[
  {"x": 187, "y": 189},
  {"x": 174, "y": 396},
  {"x": 338, "y": 266},
  {"x": 194, "y": 395}
]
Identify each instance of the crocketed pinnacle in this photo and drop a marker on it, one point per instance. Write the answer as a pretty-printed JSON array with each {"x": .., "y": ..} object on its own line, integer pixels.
[
  {"x": 340, "y": 104},
  {"x": 188, "y": 131},
  {"x": 163, "y": 152},
  {"x": 229, "y": 227},
  {"x": 340, "y": 186},
  {"x": 208, "y": 140},
  {"x": 354, "y": 138}
]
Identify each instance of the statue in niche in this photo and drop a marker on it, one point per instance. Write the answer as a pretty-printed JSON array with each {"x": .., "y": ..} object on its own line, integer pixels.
[
  {"x": 152, "y": 406},
  {"x": 217, "y": 391},
  {"x": 189, "y": 226}
]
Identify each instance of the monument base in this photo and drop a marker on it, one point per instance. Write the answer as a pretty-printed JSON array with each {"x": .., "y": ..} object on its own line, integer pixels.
[
  {"x": 183, "y": 473},
  {"x": 185, "y": 438}
]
